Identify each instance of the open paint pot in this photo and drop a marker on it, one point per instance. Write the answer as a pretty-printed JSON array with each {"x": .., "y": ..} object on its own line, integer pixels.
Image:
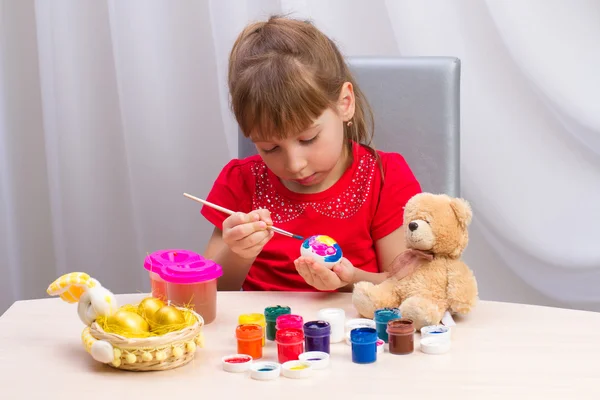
[
  {"x": 265, "y": 370},
  {"x": 317, "y": 359},
  {"x": 296, "y": 369},
  {"x": 401, "y": 336},
  {"x": 236, "y": 362}
]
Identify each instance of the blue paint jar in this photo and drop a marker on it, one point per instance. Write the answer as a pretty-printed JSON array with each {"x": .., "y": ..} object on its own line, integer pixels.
[
  {"x": 317, "y": 336},
  {"x": 382, "y": 317},
  {"x": 364, "y": 345}
]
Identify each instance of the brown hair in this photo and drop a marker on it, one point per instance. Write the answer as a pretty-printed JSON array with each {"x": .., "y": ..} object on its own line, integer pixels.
[{"x": 283, "y": 74}]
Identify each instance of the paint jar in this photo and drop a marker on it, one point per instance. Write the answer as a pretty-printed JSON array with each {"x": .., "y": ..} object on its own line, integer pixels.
[
  {"x": 382, "y": 316},
  {"x": 290, "y": 344},
  {"x": 249, "y": 340},
  {"x": 271, "y": 314},
  {"x": 336, "y": 318},
  {"x": 254, "y": 318},
  {"x": 364, "y": 345},
  {"x": 317, "y": 336},
  {"x": 289, "y": 321},
  {"x": 189, "y": 278},
  {"x": 401, "y": 336}
]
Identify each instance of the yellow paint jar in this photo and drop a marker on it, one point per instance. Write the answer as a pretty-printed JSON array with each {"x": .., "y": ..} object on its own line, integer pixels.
[{"x": 255, "y": 318}]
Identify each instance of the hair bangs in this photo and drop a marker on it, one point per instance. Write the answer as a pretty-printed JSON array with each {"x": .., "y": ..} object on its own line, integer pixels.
[{"x": 277, "y": 98}]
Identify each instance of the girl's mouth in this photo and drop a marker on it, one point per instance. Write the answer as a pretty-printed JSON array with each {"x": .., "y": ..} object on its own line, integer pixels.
[{"x": 306, "y": 181}]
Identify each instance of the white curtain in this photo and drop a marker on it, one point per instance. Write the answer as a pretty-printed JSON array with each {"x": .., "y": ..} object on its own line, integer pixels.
[{"x": 110, "y": 110}]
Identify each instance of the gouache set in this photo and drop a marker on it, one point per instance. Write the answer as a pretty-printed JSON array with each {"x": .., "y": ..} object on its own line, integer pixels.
[{"x": 304, "y": 347}]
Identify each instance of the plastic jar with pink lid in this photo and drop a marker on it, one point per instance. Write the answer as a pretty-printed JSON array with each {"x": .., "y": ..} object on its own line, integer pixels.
[{"x": 185, "y": 279}]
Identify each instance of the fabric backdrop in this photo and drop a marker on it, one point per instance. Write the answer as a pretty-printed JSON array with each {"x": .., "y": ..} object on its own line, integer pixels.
[{"x": 110, "y": 110}]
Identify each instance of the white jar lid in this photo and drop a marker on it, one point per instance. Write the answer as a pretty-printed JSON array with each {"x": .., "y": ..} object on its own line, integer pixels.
[
  {"x": 317, "y": 359},
  {"x": 359, "y": 323},
  {"x": 434, "y": 345},
  {"x": 265, "y": 370},
  {"x": 296, "y": 369},
  {"x": 236, "y": 362}
]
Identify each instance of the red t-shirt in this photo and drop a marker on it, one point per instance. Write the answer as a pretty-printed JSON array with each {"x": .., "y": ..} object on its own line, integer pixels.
[{"x": 356, "y": 211}]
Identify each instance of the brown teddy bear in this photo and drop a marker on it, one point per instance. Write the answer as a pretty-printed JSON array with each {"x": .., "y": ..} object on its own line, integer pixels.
[{"x": 436, "y": 226}]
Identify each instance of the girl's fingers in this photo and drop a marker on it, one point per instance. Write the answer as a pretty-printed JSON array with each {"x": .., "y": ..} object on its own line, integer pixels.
[
  {"x": 327, "y": 277},
  {"x": 241, "y": 232}
]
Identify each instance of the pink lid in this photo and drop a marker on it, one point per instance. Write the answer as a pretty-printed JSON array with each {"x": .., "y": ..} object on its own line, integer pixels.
[
  {"x": 289, "y": 321},
  {"x": 182, "y": 266}
]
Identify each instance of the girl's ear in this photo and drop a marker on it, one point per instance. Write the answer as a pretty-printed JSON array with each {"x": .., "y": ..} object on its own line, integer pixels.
[{"x": 346, "y": 102}]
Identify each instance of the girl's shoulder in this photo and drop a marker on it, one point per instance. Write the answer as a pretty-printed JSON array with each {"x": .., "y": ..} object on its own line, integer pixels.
[
  {"x": 393, "y": 165},
  {"x": 241, "y": 169}
]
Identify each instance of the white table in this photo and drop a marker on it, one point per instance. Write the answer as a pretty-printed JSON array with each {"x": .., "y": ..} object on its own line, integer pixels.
[{"x": 501, "y": 351}]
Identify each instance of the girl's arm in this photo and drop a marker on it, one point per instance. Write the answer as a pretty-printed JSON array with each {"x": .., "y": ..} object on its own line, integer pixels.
[
  {"x": 387, "y": 249},
  {"x": 235, "y": 268}
]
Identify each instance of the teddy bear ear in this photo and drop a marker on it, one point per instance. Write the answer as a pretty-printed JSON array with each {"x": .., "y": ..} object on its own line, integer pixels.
[{"x": 462, "y": 209}]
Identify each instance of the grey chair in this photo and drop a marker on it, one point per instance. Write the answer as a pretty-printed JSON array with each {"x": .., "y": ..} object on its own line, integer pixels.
[{"x": 416, "y": 105}]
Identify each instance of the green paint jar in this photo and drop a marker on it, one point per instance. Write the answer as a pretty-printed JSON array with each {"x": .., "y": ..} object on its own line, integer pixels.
[{"x": 271, "y": 314}]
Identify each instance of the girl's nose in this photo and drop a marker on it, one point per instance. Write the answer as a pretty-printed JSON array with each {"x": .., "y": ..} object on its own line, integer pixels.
[{"x": 295, "y": 162}]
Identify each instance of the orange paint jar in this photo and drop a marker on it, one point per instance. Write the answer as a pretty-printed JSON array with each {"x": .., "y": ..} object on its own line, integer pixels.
[
  {"x": 249, "y": 340},
  {"x": 255, "y": 318}
]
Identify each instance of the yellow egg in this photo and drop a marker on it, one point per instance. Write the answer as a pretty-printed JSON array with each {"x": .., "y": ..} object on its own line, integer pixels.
[
  {"x": 166, "y": 316},
  {"x": 127, "y": 323},
  {"x": 149, "y": 306}
]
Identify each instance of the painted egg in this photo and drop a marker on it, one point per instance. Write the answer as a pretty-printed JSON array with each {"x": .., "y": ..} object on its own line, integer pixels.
[{"x": 322, "y": 249}]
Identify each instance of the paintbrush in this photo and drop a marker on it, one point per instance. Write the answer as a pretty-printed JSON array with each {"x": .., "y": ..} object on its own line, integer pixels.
[{"x": 226, "y": 211}]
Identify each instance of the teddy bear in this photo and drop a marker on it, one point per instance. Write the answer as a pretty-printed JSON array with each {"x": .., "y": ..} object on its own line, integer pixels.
[{"x": 436, "y": 226}]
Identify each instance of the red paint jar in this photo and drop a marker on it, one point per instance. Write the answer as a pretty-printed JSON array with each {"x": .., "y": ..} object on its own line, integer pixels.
[
  {"x": 290, "y": 344},
  {"x": 249, "y": 340},
  {"x": 401, "y": 336}
]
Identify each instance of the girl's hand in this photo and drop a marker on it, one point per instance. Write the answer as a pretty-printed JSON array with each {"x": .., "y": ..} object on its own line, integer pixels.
[
  {"x": 247, "y": 234},
  {"x": 323, "y": 278}
]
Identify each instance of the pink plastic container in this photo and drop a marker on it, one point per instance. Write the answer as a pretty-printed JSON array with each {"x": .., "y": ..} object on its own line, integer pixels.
[{"x": 185, "y": 279}]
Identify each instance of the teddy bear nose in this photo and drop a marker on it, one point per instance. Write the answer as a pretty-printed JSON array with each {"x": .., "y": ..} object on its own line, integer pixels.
[{"x": 413, "y": 226}]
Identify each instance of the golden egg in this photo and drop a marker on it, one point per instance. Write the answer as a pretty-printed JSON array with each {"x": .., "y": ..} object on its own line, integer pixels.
[
  {"x": 127, "y": 323},
  {"x": 149, "y": 306},
  {"x": 167, "y": 315}
]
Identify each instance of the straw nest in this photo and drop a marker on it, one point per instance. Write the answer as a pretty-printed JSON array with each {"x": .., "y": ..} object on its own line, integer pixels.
[{"x": 154, "y": 353}]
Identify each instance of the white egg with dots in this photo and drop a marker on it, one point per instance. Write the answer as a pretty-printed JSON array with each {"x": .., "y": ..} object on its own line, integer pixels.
[{"x": 323, "y": 249}]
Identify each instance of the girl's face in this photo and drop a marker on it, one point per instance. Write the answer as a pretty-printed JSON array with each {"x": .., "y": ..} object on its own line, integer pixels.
[
  {"x": 311, "y": 161},
  {"x": 315, "y": 159}
]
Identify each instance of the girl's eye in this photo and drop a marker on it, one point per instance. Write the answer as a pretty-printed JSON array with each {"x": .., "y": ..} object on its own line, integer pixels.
[
  {"x": 307, "y": 141},
  {"x": 271, "y": 149}
]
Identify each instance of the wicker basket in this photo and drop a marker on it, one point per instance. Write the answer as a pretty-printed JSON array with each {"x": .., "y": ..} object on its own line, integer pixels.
[{"x": 156, "y": 353}]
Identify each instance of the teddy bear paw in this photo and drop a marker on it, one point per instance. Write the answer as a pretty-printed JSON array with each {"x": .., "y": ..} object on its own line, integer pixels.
[{"x": 362, "y": 301}]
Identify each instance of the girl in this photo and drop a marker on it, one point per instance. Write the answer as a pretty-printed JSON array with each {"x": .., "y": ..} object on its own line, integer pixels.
[{"x": 315, "y": 172}]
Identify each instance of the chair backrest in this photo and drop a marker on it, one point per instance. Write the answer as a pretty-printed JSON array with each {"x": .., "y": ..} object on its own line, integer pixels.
[{"x": 416, "y": 106}]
